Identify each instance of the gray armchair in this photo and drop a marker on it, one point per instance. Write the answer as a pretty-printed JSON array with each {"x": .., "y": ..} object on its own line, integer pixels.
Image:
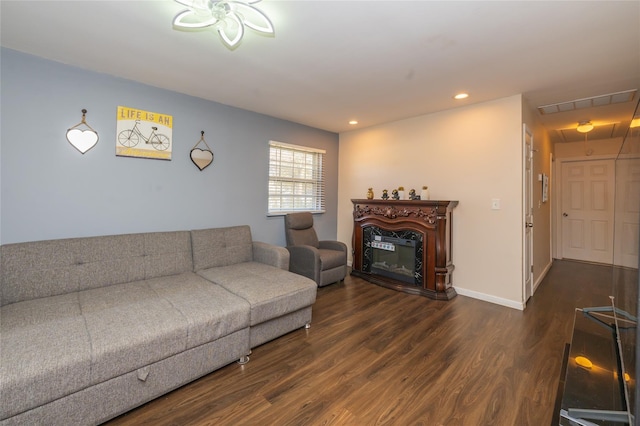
[{"x": 325, "y": 262}]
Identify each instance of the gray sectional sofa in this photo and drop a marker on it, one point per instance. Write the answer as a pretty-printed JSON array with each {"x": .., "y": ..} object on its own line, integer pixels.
[{"x": 93, "y": 327}]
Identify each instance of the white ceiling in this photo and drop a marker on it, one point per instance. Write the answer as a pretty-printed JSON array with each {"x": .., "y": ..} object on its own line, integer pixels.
[{"x": 374, "y": 61}]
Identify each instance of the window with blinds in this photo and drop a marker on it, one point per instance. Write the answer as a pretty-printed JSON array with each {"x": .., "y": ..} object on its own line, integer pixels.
[{"x": 296, "y": 179}]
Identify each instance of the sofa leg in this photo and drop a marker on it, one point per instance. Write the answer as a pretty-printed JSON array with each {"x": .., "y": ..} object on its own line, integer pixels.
[
  {"x": 307, "y": 325},
  {"x": 243, "y": 360}
]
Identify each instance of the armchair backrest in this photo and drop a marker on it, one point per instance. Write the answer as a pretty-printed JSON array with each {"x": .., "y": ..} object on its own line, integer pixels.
[{"x": 299, "y": 230}]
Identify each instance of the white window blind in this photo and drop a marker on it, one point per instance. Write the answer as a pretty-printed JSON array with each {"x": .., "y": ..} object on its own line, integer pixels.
[{"x": 296, "y": 178}]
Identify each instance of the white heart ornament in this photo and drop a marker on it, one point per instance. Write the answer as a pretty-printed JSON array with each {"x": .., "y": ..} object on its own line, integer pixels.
[
  {"x": 82, "y": 140},
  {"x": 201, "y": 157}
]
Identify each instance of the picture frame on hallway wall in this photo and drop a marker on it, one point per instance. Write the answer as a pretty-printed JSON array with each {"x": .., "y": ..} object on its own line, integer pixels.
[
  {"x": 143, "y": 134},
  {"x": 545, "y": 188}
]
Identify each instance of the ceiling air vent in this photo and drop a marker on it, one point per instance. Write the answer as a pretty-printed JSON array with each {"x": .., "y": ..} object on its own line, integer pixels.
[{"x": 601, "y": 100}]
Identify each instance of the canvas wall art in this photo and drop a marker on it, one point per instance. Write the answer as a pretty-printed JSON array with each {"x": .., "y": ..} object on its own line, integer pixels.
[{"x": 143, "y": 134}]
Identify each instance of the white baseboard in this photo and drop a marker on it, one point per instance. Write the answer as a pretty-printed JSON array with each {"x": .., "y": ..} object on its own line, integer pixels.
[
  {"x": 488, "y": 298},
  {"x": 542, "y": 275},
  {"x": 500, "y": 301}
]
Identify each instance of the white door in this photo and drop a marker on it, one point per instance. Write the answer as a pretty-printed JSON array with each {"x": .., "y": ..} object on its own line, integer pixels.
[
  {"x": 588, "y": 210},
  {"x": 528, "y": 213},
  {"x": 627, "y": 212}
]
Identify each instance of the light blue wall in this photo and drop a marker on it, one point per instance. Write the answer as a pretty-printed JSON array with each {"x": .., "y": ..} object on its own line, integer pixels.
[{"x": 50, "y": 190}]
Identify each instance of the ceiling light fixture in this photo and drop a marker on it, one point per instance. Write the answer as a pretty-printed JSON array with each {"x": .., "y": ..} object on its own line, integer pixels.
[
  {"x": 353, "y": 122},
  {"x": 461, "y": 96},
  {"x": 228, "y": 17},
  {"x": 584, "y": 127}
]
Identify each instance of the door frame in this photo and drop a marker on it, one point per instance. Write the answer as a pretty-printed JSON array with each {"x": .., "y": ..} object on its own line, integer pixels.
[
  {"x": 557, "y": 207},
  {"x": 527, "y": 201},
  {"x": 622, "y": 177}
]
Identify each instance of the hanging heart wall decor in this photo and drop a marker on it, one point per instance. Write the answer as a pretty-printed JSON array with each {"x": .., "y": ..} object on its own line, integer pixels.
[
  {"x": 82, "y": 140},
  {"x": 202, "y": 158}
]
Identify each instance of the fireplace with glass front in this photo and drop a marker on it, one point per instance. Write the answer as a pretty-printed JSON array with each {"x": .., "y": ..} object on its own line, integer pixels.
[
  {"x": 404, "y": 245},
  {"x": 392, "y": 256}
]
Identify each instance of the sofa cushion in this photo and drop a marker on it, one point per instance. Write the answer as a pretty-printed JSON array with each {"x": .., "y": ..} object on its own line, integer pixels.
[
  {"x": 37, "y": 269},
  {"x": 134, "y": 324},
  {"x": 211, "y": 311},
  {"x": 221, "y": 246},
  {"x": 130, "y": 327},
  {"x": 272, "y": 292},
  {"x": 116, "y": 259},
  {"x": 47, "y": 268},
  {"x": 167, "y": 253},
  {"x": 45, "y": 352},
  {"x": 108, "y": 260}
]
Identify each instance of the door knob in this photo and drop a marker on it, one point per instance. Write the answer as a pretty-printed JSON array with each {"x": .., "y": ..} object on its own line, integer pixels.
[
  {"x": 529, "y": 225},
  {"x": 564, "y": 215}
]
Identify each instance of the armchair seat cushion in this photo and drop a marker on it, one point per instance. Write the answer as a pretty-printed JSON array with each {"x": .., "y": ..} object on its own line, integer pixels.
[{"x": 331, "y": 259}]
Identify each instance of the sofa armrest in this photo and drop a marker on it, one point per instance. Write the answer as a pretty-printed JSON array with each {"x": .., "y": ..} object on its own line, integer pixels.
[
  {"x": 270, "y": 254},
  {"x": 305, "y": 260},
  {"x": 333, "y": 245}
]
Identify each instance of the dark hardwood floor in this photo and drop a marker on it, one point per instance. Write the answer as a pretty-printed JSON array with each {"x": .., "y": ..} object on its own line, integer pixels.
[{"x": 374, "y": 356}]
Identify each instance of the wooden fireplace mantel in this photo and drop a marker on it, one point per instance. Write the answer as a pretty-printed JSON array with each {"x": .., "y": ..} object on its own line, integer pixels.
[{"x": 432, "y": 219}]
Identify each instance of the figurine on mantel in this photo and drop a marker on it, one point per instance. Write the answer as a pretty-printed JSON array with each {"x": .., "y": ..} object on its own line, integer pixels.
[
  {"x": 370, "y": 194},
  {"x": 395, "y": 195},
  {"x": 412, "y": 195},
  {"x": 385, "y": 194}
]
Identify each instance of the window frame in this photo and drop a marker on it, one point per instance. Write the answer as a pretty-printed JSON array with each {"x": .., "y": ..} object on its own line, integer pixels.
[{"x": 299, "y": 155}]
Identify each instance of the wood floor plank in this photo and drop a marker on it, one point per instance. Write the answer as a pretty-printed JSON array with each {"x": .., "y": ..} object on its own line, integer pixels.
[{"x": 374, "y": 356}]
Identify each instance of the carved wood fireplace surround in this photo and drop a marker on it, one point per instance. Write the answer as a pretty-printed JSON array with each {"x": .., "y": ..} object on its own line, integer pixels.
[{"x": 386, "y": 233}]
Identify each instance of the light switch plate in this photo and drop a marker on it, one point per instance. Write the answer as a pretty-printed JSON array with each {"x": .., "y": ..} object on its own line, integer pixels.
[{"x": 495, "y": 204}]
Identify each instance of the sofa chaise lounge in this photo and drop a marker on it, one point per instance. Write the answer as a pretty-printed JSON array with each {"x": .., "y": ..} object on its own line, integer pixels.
[{"x": 93, "y": 327}]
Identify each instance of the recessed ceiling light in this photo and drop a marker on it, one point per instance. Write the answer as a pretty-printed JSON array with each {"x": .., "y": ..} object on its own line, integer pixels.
[
  {"x": 352, "y": 122},
  {"x": 461, "y": 96}
]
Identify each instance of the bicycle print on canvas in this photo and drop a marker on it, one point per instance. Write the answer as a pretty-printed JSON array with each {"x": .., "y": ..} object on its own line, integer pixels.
[{"x": 143, "y": 134}]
